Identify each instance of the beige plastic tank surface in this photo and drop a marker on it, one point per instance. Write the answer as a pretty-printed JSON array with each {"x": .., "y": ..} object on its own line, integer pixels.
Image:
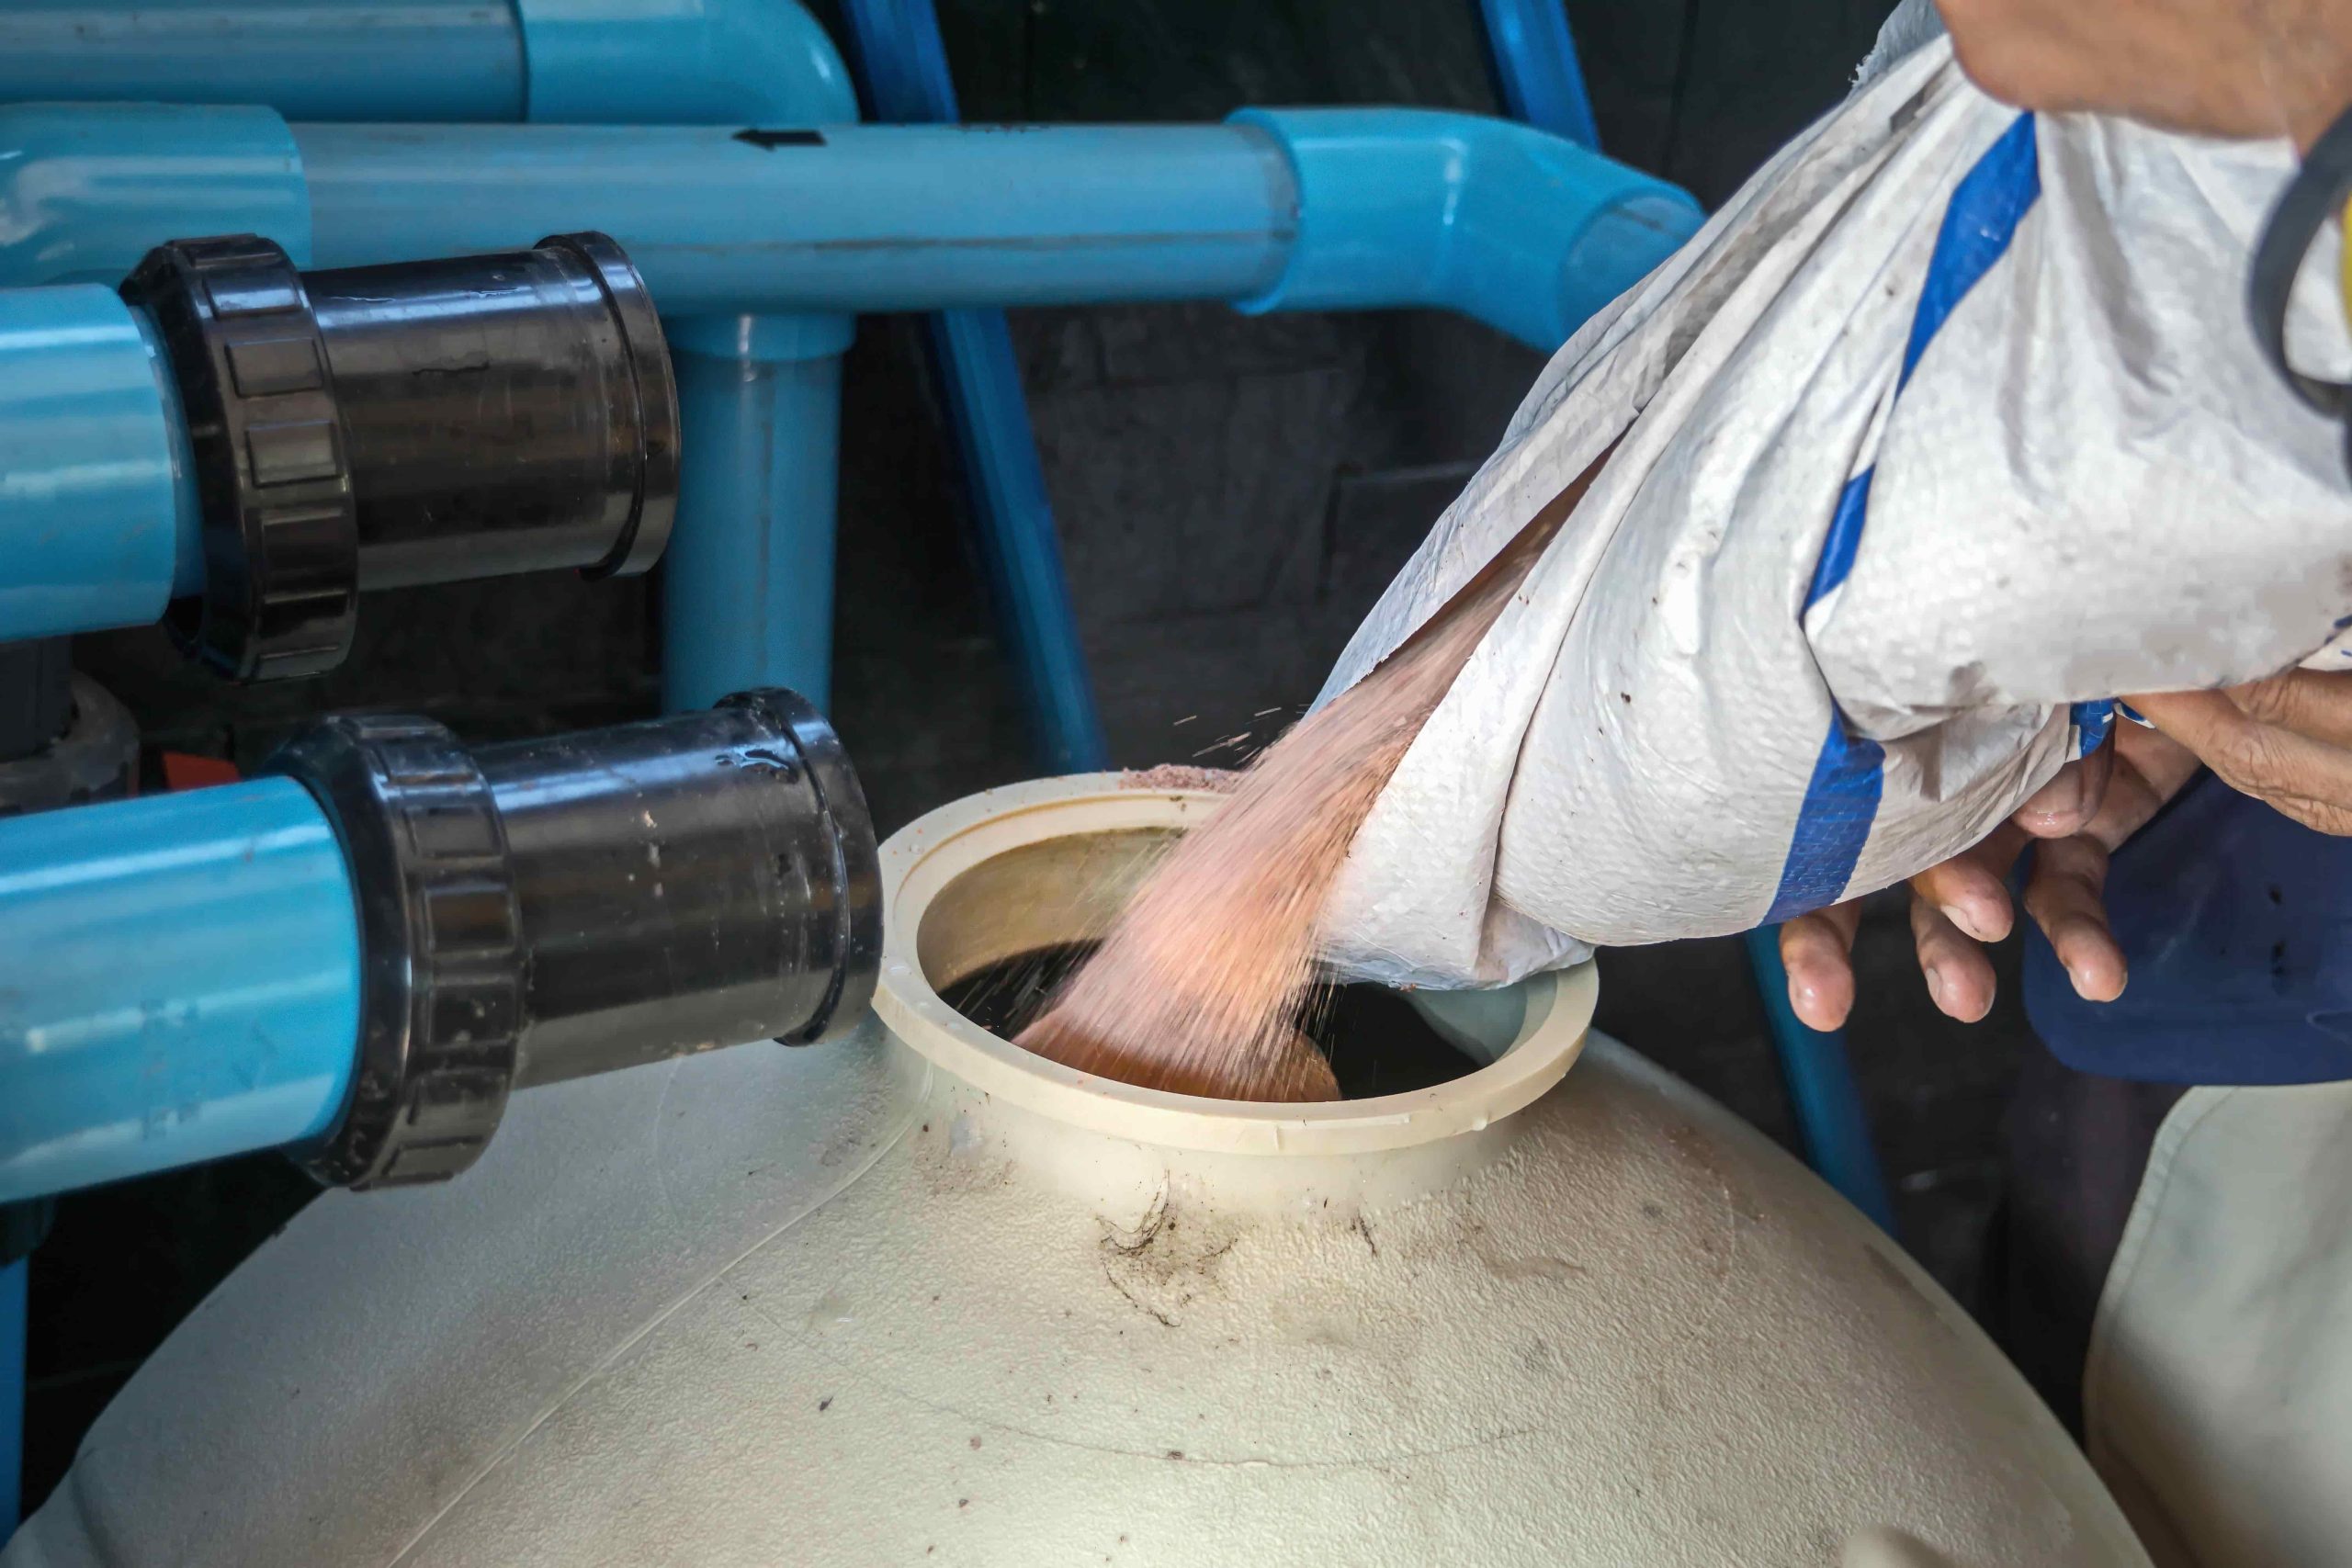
[{"x": 925, "y": 1299}]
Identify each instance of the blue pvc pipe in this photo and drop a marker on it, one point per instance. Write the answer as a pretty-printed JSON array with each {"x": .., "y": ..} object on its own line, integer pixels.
[
  {"x": 748, "y": 592},
  {"x": 1832, "y": 1123},
  {"x": 179, "y": 981},
  {"x": 452, "y": 59},
  {"x": 904, "y": 61},
  {"x": 1283, "y": 210},
  {"x": 468, "y": 61},
  {"x": 98, "y": 504},
  {"x": 1535, "y": 64},
  {"x": 14, "y": 1280},
  {"x": 871, "y": 218}
]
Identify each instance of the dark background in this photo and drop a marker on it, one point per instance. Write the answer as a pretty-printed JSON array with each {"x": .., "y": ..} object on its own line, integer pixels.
[{"x": 1232, "y": 493}]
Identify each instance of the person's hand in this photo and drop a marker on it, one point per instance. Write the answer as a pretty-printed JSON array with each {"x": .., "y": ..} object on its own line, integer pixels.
[
  {"x": 2287, "y": 741},
  {"x": 2215, "y": 67},
  {"x": 2080, "y": 816}
]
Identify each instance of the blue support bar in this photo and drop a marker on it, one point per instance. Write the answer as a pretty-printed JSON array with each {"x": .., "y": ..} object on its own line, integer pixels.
[
  {"x": 14, "y": 1278},
  {"x": 904, "y": 62},
  {"x": 448, "y": 60},
  {"x": 748, "y": 592},
  {"x": 1535, "y": 63},
  {"x": 179, "y": 981},
  {"x": 97, "y": 505},
  {"x": 1832, "y": 1122}
]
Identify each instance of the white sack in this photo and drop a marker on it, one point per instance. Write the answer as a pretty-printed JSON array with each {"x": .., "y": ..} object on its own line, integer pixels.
[{"x": 2090, "y": 483}]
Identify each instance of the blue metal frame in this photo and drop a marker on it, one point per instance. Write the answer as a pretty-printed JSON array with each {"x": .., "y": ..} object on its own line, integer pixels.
[
  {"x": 1535, "y": 62},
  {"x": 903, "y": 63}
]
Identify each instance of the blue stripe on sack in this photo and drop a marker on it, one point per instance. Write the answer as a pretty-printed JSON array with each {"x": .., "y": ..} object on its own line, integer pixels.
[
  {"x": 1844, "y": 540},
  {"x": 1841, "y": 799},
  {"x": 1986, "y": 207},
  {"x": 2092, "y": 721}
]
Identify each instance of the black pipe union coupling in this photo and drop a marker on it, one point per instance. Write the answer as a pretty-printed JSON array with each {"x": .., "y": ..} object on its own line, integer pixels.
[
  {"x": 545, "y": 910},
  {"x": 423, "y": 421}
]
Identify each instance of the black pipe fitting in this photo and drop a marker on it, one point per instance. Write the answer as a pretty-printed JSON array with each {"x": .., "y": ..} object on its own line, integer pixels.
[
  {"x": 545, "y": 910},
  {"x": 387, "y": 426}
]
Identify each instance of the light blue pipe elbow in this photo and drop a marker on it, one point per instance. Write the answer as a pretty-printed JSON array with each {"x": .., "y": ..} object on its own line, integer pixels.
[
  {"x": 741, "y": 62},
  {"x": 1523, "y": 230},
  {"x": 179, "y": 981},
  {"x": 98, "y": 516}
]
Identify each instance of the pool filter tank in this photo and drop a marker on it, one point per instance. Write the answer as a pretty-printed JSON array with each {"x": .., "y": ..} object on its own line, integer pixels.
[{"x": 918, "y": 1296}]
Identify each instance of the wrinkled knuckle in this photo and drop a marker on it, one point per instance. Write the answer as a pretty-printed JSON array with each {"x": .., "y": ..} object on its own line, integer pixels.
[
  {"x": 2266, "y": 702},
  {"x": 2252, "y": 760}
]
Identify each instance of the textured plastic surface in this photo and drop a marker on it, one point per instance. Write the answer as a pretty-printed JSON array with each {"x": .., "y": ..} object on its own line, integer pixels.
[
  {"x": 90, "y": 508},
  {"x": 1842, "y": 595},
  {"x": 440, "y": 935},
  {"x": 86, "y": 189},
  {"x": 2236, "y": 921},
  {"x": 1524, "y": 230},
  {"x": 445, "y": 59},
  {"x": 179, "y": 980},
  {"x": 842, "y": 1306},
  {"x": 271, "y": 457}
]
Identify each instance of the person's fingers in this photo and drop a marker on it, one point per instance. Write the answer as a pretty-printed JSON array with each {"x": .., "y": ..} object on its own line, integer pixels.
[
  {"x": 1817, "y": 950},
  {"x": 1960, "y": 977},
  {"x": 1971, "y": 893},
  {"x": 2065, "y": 894},
  {"x": 2315, "y": 702},
  {"x": 2063, "y": 806},
  {"x": 2151, "y": 767},
  {"x": 2309, "y": 780}
]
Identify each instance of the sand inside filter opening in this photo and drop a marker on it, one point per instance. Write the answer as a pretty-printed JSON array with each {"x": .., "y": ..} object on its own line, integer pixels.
[{"x": 1201, "y": 983}]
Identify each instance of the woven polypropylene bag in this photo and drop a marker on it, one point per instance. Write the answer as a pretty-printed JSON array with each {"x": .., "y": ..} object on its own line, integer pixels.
[{"x": 1945, "y": 430}]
